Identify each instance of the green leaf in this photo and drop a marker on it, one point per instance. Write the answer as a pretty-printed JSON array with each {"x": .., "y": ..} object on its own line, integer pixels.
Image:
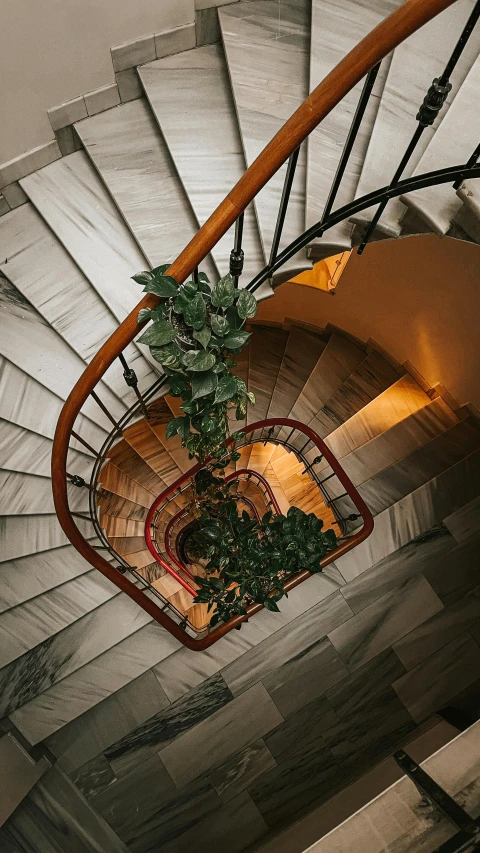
[
  {"x": 164, "y": 286},
  {"x": 246, "y": 304},
  {"x": 181, "y": 302},
  {"x": 236, "y": 339},
  {"x": 143, "y": 277},
  {"x": 144, "y": 314},
  {"x": 220, "y": 325},
  {"x": 190, "y": 288},
  {"x": 198, "y": 360},
  {"x": 157, "y": 271},
  {"x": 180, "y": 426},
  {"x": 272, "y": 605},
  {"x": 223, "y": 293},
  {"x": 158, "y": 334},
  {"x": 204, "y": 287},
  {"x": 203, "y": 384},
  {"x": 168, "y": 355},
  {"x": 203, "y": 336},
  {"x": 250, "y": 397},
  {"x": 203, "y": 277},
  {"x": 195, "y": 312},
  {"x": 226, "y": 389}
]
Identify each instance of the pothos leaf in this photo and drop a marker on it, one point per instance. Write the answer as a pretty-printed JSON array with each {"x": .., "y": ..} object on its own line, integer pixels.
[
  {"x": 203, "y": 384},
  {"x": 158, "y": 334},
  {"x": 246, "y": 304},
  {"x": 157, "y": 271},
  {"x": 223, "y": 293},
  {"x": 169, "y": 355},
  {"x": 190, "y": 288},
  {"x": 199, "y": 360},
  {"x": 203, "y": 336},
  {"x": 180, "y": 426},
  {"x": 144, "y": 314},
  {"x": 219, "y": 324},
  {"x": 143, "y": 277},
  {"x": 226, "y": 389},
  {"x": 164, "y": 286},
  {"x": 195, "y": 312},
  {"x": 236, "y": 339}
]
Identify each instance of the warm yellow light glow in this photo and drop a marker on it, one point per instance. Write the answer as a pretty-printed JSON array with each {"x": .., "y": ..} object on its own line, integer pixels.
[{"x": 325, "y": 274}]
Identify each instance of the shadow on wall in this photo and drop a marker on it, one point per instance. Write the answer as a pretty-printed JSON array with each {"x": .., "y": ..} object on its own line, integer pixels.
[{"x": 417, "y": 297}]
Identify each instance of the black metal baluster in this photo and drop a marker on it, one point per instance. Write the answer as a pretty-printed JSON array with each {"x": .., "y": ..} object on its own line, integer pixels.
[
  {"x": 196, "y": 276},
  {"x": 282, "y": 211},
  {"x": 131, "y": 380},
  {"x": 236, "y": 255},
  {"x": 428, "y": 112},
  {"x": 472, "y": 161},
  {"x": 312, "y": 464},
  {"x": 104, "y": 409},
  {"x": 85, "y": 444}
]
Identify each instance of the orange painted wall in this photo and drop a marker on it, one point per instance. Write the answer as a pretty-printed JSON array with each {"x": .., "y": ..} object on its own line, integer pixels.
[{"x": 418, "y": 297}]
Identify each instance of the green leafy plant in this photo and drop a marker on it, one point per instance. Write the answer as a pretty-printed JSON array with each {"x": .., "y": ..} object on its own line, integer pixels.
[
  {"x": 195, "y": 333},
  {"x": 249, "y": 561}
]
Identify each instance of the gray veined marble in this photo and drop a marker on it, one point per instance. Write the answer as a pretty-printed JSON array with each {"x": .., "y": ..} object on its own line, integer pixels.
[
  {"x": 359, "y": 689},
  {"x": 133, "y": 161},
  {"x": 337, "y": 27},
  {"x": 465, "y": 521},
  {"x": 414, "y": 65},
  {"x": 30, "y": 453},
  {"x": 456, "y": 572},
  {"x": 267, "y": 50},
  {"x": 238, "y": 773},
  {"x": 29, "y": 494},
  {"x": 182, "y": 90},
  {"x": 24, "y": 535},
  {"x": 300, "y": 356}
]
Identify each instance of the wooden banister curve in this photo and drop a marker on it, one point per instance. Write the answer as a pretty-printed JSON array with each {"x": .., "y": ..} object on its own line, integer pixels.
[{"x": 404, "y": 21}]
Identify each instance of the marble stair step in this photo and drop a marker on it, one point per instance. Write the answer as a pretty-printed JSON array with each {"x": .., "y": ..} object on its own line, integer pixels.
[
  {"x": 115, "y": 526},
  {"x": 32, "y": 406},
  {"x": 173, "y": 447},
  {"x": 374, "y": 375},
  {"x": 424, "y": 464},
  {"x": 182, "y": 90},
  {"x": 464, "y": 522},
  {"x": 139, "y": 559},
  {"x": 73, "y": 201},
  {"x": 108, "y": 622},
  {"x": 132, "y": 159},
  {"x": 337, "y": 362},
  {"x": 268, "y": 58},
  {"x": 128, "y": 544},
  {"x": 299, "y": 489},
  {"x": 415, "y": 515},
  {"x": 110, "y": 504},
  {"x": 114, "y": 480},
  {"x": 27, "y": 534},
  {"x": 414, "y": 65},
  {"x": 50, "y": 280},
  {"x": 244, "y": 452},
  {"x": 132, "y": 465},
  {"x": 300, "y": 356},
  {"x": 277, "y": 490},
  {"x": 337, "y": 28},
  {"x": 454, "y": 142},
  {"x": 469, "y": 193},
  {"x": 30, "y": 453},
  {"x": 29, "y": 494},
  {"x": 260, "y": 457},
  {"x": 47, "y": 358},
  {"x": 87, "y": 686},
  {"x": 267, "y": 347},
  {"x": 142, "y": 438}
]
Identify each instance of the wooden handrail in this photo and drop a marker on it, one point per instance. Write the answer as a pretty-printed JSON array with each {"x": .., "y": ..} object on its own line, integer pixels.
[{"x": 404, "y": 21}]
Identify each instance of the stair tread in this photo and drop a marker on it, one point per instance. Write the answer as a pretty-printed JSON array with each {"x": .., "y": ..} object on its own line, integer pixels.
[
  {"x": 454, "y": 142},
  {"x": 133, "y": 161},
  {"x": 116, "y": 526},
  {"x": 113, "y": 479},
  {"x": 30, "y": 453},
  {"x": 109, "y": 504},
  {"x": 268, "y": 54},
  {"x": 73, "y": 201},
  {"x": 267, "y": 346},
  {"x": 144, "y": 441},
  {"x": 300, "y": 356},
  {"x": 25, "y": 535},
  {"x": 180, "y": 89},
  {"x": 46, "y": 275},
  {"x": 336, "y": 29},
  {"x": 414, "y": 65},
  {"x": 125, "y": 457},
  {"x": 30, "y": 494}
]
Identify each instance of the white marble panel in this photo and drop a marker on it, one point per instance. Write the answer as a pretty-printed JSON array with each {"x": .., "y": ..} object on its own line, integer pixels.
[
  {"x": 465, "y": 522},
  {"x": 46, "y": 275},
  {"x": 455, "y": 140},
  {"x": 175, "y": 41},
  {"x": 47, "y": 358},
  {"x": 28, "y": 494},
  {"x": 267, "y": 49},
  {"x": 415, "y": 63},
  {"x": 29, "y": 162},
  {"x": 414, "y": 514},
  {"x": 21, "y": 450},
  {"x": 14, "y": 195},
  {"x": 182, "y": 90},
  {"x": 98, "y": 679},
  {"x": 23, "y": 535},
  {"x": 129, "y": 86},
  {"x": 133, "y": 161},
  {"x": 337, "y": 27},
  {"x": 133, "y": 53},
  {"x": 101, "y": 99},
  {"x": 27, "y": 403},
  {"x": 67, "y": 113}
]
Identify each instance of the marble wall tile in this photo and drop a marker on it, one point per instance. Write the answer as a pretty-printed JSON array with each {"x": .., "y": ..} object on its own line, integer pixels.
[
  {"x": 267, "y": 49},
  {"x": 232, "y": 827},
  {"x": 114, "y": 140},
  {"x": 4, "y": 205},
  {"x": 98, "y": 679},
  {"x": 386, "y": 620},
  {"x": 456, "y": 572},
  {"x": 360, "y": 688},
  {"x": 67, "y": 113},
  {"x": 27, "y": 163},
  {"x": 94, "y": 776},
  {"x": 252, "y": 715},
  {"x": 238, "y": 773},
  {"x": 67, "y": 140},
  {"x": 207, "y": 26},
  {"x": 14, "y": 195},
  {"x": 436, "y": 680},
  {"x": 27, "y": 452},
  {"x": 110, "y": 720},
  {"x": 101, "y": 99},
  {"x": 174, "y": 41},
  {"x": 286, "y": 643},
  {"x": 129, "y": 86},
  {"x": 438, "y": 631},
  {"x": 408, "y": 561},
  {"x": 164, "y": 727},
  {"x": 305, "y": 677},
  {"x": 179, "y": 90},
  {"x": 302, "y": 732},
  {"x": 267, "y": 347},
  {"x": 300, "y": 356},
  {"x": 29, "y": 494},
  {"x": 414, "y": 515},
  {"x": 133, "y": 53},
  {"x": 24, "y": 535},
  {"x": 465, "y": 522}
]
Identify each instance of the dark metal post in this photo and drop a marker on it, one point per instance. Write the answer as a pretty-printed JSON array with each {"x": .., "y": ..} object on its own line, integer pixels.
[
  {"x": 472, "y": 161},
  {"x": 237, "y": 255},
  {"x": 315, "y": 462},
  {"x": 104, "y": 409},
  {"x": 282, "y": 211},
  {"x": 131, "y": 380},
  {"x": 85, "y": 444}
]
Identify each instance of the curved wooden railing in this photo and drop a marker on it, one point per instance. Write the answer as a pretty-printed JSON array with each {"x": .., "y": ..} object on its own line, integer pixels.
[{"x": 408, "y": 18}]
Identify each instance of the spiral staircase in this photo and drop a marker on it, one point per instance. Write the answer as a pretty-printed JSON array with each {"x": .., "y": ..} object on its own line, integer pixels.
[{"x": 145, "y": 176}]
